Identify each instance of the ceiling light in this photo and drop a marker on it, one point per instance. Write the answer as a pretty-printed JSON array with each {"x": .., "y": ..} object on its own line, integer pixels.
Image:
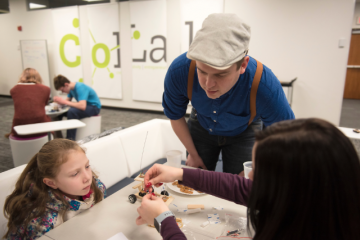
[{"x": 35, "y": 6}]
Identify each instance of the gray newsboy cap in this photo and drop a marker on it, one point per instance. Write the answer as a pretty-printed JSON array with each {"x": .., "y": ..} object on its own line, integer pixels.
[{"x": 222, "y": 41}]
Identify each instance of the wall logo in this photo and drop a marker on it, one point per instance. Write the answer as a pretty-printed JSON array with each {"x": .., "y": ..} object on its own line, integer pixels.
[
  {"x": 106, "y": 50},
  {"x": 96, "y": 47},
  {"x": 136, "y": 36}
]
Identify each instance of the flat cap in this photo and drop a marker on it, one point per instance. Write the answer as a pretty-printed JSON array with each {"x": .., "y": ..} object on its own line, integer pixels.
[{"x": 222, "y": 41}]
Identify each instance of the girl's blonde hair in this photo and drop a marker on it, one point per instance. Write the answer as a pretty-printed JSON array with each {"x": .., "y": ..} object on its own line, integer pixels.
[
  {"x": 30, "y": 75},
  {"x": 20, "y": 204}
]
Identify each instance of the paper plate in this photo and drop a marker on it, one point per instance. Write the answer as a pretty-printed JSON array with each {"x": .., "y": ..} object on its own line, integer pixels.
[{"x": 176, "y": 189}]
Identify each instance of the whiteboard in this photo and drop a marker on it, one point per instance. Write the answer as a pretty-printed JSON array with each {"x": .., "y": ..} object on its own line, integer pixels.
[{"x": 34, "y": 55}]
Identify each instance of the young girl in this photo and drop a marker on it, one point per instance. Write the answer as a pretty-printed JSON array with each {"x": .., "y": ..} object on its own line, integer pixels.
[
  {"x": 306, "y": 185},
  {"x": 56, "y": 185}
]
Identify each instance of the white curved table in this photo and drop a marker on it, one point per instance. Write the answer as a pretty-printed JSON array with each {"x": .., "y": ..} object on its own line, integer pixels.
[{"x": 48, "y": 127}]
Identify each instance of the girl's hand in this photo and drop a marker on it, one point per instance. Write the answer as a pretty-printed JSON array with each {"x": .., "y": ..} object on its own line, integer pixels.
[
  {"x": 151, "y": 207},
  {"x": 159, "y": 173}
]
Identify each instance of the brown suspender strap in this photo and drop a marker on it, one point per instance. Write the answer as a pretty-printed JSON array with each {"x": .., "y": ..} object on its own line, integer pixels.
[
  {"x": 254, "y": 88},
  {"x": 191, "y": 79}
]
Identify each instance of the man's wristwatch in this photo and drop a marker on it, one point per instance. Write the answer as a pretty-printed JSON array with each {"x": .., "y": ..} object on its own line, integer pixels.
[{"x": 158, "y": 220}]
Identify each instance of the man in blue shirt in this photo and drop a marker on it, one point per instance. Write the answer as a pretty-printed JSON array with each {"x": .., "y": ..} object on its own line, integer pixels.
[
  {"x": 87, "y": 105},
  {"x": 221, "y": 96}
]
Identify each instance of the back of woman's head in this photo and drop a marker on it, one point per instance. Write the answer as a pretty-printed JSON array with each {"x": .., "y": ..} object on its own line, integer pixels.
[
  {"x": 30, "y": 75},
  {"x": 30, "y": 191},
  {"x": 306, "y": 183}
]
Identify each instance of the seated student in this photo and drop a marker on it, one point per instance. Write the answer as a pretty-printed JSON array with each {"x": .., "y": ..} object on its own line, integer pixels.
[
  {"x": 87, "y": 105},
  {"x": 56, "y": 185},
  {"x": 306, "y": 185},
  {"x": 30, "y": 97}
]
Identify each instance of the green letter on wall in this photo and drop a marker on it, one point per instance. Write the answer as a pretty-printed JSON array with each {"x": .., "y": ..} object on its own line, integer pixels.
[
  {"x": 107, "y": 55},
  {"x": 62, "y": 53}
]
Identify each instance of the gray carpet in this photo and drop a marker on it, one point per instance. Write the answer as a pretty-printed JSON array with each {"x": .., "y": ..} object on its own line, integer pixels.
[
  {"x": 7, "y": 113},
  {"x": 111, "y": 118},
  {"x": 350, "y": 113}
]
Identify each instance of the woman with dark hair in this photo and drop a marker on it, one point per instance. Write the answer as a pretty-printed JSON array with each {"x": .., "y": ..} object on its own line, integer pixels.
[{"x": 305, "y": 184}]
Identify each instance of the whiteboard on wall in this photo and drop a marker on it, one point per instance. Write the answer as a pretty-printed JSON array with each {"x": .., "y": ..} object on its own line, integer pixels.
[{"x": 34, "y": 55}]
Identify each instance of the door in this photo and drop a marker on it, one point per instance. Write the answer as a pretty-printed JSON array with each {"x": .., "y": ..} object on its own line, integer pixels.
[{"x": 352, "y": 82}]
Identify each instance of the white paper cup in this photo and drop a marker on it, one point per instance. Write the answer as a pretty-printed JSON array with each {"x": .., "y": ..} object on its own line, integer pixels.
[
  {"x": 247, "y": 168},
  {"x": 173, "y": 158}
]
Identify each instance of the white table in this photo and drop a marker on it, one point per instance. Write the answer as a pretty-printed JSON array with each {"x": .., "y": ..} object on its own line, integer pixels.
[
  {"x": 57, "y": 113},
  {"x": 116, "y": 214},
  {"x": 349, "y": 132},
  {"x": 48, "y": 127},
  {"x": 353, "y": 136}
]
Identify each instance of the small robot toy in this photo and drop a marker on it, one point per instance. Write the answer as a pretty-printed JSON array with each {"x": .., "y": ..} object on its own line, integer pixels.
[{"x": 143, "y": 190}]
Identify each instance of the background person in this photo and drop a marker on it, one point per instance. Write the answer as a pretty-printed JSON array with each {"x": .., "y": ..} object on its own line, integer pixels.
[
  {"x": 56, "y": 185},
  {"x": 306, "y": 185},
  {"x": 222, "y": 84},
  {"x": 30, "y": 97},
  {"x": 87, "y": 105}
]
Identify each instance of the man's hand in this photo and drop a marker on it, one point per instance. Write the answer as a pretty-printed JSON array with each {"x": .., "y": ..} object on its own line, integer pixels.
[
  {"x": 59, "y": 100},
  {"x": 151, "y": 207},
  {"x": 195, "y": 162},
  {"x": 159, "y": 173}
]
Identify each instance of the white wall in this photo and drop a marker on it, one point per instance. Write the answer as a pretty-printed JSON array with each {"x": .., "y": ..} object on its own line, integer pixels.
[
  {"x": 300, "y": 39},
  {"x": 356, "y": 15},
  {"x": 293, "y": 38},
  {"x": 35, "y": 25}
]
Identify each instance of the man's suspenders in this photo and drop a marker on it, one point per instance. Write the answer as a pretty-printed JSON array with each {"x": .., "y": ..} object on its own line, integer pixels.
[{"x": 254, "y": 86}]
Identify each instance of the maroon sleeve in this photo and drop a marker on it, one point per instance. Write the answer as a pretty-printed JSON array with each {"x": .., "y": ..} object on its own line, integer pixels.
[
  {"x": 223, "y": 185},
  {"x": 170, "y": 230}
]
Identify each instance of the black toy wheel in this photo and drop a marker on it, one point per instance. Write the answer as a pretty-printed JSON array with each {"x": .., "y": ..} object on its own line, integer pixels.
[
  {"x": 132, "y": 198},
  {"x": 164, "y": 192},
  {"x": 141, "y": 194}
]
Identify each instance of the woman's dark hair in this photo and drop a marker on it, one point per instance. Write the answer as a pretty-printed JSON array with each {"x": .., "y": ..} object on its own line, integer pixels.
[{"x": 306, "y": 183}]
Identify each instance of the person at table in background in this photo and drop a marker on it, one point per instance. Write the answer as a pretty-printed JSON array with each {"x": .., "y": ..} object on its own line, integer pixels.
[
  {"x": 87, "y": 105},
  {"x": 304, "y": 184},
  {"x": 56, "y": 185},
  {"x": 30, "y": 97},
  {"x": 220, "y": 116}
]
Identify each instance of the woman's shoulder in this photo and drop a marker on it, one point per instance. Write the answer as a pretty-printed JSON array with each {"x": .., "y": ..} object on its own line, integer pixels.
[
  {"x": 25, "y": 87},
  {"x": 43, "y": 87}
]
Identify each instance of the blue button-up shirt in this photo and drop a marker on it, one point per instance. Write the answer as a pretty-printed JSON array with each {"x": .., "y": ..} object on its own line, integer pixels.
[{"x": 229, "y": 114}]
